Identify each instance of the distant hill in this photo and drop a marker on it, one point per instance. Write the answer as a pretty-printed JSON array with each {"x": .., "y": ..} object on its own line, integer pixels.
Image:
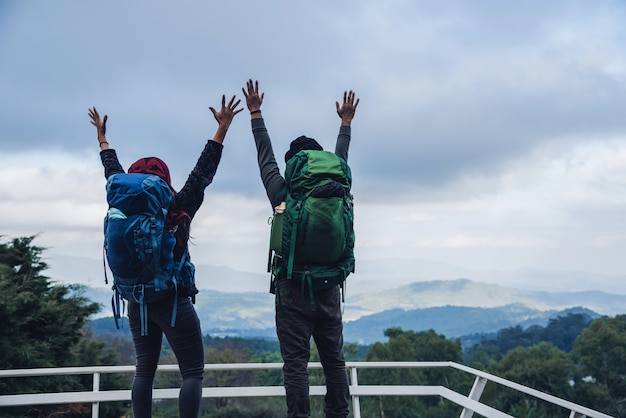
[
  {"x": 371, "y": 277},
  {"x": 379, "y": 275},
  {"x": 452, "y": 308},
  {"x": 464, "y": 292},
  {"x": 90, "y": 272},
  {"x": 451, "y": 321}
]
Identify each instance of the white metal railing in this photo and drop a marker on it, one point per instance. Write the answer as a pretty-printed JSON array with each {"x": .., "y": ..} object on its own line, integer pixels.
[{"x": 471, "y": 403}]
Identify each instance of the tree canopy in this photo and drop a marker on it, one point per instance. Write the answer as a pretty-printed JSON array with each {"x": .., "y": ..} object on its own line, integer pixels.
[{"x": 42, "y": 326}]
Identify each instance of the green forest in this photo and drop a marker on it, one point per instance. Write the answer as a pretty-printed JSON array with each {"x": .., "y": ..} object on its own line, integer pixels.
[{"x": 46, "y": 324}]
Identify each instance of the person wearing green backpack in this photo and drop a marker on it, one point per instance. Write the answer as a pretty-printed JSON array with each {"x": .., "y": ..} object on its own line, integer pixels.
[{"x": 311, "y": 253}]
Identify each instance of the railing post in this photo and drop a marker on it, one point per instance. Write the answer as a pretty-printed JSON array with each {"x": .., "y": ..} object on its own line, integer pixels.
[
  {"x": 95, "y": 406},
  {"x": 475, "y": 393},
  {"x": 356, "y": 404}
]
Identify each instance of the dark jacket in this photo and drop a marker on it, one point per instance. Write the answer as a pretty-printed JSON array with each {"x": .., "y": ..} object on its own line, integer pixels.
[
  {"x": 270, "y": 174},
  {"x": 191, "y": 196}
]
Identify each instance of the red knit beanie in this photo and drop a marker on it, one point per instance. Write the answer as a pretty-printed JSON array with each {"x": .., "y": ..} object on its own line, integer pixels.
[{"x": 152, "y": 165}]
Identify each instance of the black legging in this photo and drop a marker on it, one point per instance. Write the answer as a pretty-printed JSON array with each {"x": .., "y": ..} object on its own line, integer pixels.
[{"x": 185, "y": 338}]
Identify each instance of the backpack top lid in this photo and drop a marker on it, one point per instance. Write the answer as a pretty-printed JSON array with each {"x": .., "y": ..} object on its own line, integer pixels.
[
  {"x": 138, "y": 194},
  {"x": 309, "y": 169}
]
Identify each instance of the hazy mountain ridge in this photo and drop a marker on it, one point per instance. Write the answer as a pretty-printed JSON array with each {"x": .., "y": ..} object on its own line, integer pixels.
[
  {"x": 375, "y": 275},
  {"x": 251, "y": 314},
  {"x": 464, "y": 292},
  {"x": 371, "y": 276},
  {"x": 452, "y": 321},
  {"x": 232, "y": 302}
]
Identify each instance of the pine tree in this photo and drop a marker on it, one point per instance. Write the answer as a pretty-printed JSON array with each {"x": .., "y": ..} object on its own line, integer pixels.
[{"x": 42, "y": 326}]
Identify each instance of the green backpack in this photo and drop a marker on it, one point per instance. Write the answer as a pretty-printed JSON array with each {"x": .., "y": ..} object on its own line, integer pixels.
[{"x": 312, "y": 234}]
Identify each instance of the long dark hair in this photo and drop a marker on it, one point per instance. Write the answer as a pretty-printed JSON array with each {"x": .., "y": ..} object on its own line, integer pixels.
[{"x": 178, "y": 221}]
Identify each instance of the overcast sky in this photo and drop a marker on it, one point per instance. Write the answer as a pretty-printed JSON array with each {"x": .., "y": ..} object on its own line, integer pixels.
[{"x": 490, "y": 135}]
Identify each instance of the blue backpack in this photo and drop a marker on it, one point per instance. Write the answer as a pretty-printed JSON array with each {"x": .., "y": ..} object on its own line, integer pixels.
[{"x": 138, "y": 248}]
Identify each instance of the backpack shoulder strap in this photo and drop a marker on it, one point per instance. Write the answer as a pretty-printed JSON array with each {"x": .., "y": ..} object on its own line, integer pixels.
[{"x": 292, "y": 243}]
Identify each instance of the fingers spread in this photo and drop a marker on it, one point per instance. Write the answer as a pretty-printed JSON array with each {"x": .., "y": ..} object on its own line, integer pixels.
[{"x": 231, "y": 105}]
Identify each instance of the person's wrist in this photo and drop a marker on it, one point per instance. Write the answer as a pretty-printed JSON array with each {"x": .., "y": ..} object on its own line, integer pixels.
[
  {"x": 222, "y": 128},
  {"x": 254, "y": 112}
]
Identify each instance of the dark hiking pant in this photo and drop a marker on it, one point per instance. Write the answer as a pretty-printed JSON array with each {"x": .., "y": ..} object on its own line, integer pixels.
[
  {"x": 185, "y": 338},
  {"x": 296, "y": 322}
]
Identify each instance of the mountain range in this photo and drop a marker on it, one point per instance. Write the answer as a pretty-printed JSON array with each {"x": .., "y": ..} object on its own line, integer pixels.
[
  {"x": 454, "y": 308},
  {"x": 382, "y": 295},
  {"x": 371, "y": 276}
]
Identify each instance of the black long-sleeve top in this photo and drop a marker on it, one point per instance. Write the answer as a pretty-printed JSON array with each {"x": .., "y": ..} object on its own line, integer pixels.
[
  {"x": 190, "y": 197},
  {"x": 273, "y": 181}
]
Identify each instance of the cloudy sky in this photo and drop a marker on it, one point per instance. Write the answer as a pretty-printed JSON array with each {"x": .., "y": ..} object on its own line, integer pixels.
[{"x": 490, "y": 135}]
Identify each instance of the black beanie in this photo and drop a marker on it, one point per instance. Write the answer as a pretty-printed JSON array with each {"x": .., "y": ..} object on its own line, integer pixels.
[{"x": 301, "y": 143}]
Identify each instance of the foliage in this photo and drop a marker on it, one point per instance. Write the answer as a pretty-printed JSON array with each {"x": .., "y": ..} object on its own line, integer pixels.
[
  {"x": 593, "y": 374},
  {"x": 43, "y": 327},
  {"x": 241, "y": 407},
  {"x": 413, "y": 346},
  {"x": 542, "y": 367},
  {"x": 561, "y": 332},
  {"x": 254, "y": 345},
  {"x": 40, "y": 319},
  {"x": 600, "y": 352}
]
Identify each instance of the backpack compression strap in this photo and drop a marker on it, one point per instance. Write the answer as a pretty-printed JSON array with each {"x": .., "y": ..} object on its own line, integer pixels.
[
  {"x": 292, "y": 243},
  {"x": 178, "y": 269},
  {"x": 116, "y": 299}
]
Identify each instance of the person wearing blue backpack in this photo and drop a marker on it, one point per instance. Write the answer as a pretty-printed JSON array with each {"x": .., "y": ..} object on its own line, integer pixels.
[
  {"x": 174, "y": 314},
  {"x": 313, "y": 224}
]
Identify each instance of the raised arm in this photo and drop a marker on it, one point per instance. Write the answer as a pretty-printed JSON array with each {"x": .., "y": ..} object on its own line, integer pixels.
[
  {"x": 191, "y": 195},
  {"x": 107, "y": 155},
  {"x": 346, "y": 112},
  {"x": 101, "y": 127},
  {"x": 254, "y": 100},
  {"x": 224, "y": 117},
  {"x": 270, "y": 174}
]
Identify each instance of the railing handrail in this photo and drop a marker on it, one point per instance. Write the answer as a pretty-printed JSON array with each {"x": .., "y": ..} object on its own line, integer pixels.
[{"x": 470, "y": 403}]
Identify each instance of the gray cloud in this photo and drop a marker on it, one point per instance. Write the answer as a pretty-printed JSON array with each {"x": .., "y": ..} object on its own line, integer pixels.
[{"x": 457, "y": 99}]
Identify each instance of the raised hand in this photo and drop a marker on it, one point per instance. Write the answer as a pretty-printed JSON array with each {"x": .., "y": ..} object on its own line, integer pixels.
[
  {"x": 100, "y": 124},
  {"x": 348, "y": 108},
  {"x": 226, "y": 114},
  {"x": 101, "y": 127},
  {"x": 253, "y": 99},
  {"x": 224, "y": 117}
]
